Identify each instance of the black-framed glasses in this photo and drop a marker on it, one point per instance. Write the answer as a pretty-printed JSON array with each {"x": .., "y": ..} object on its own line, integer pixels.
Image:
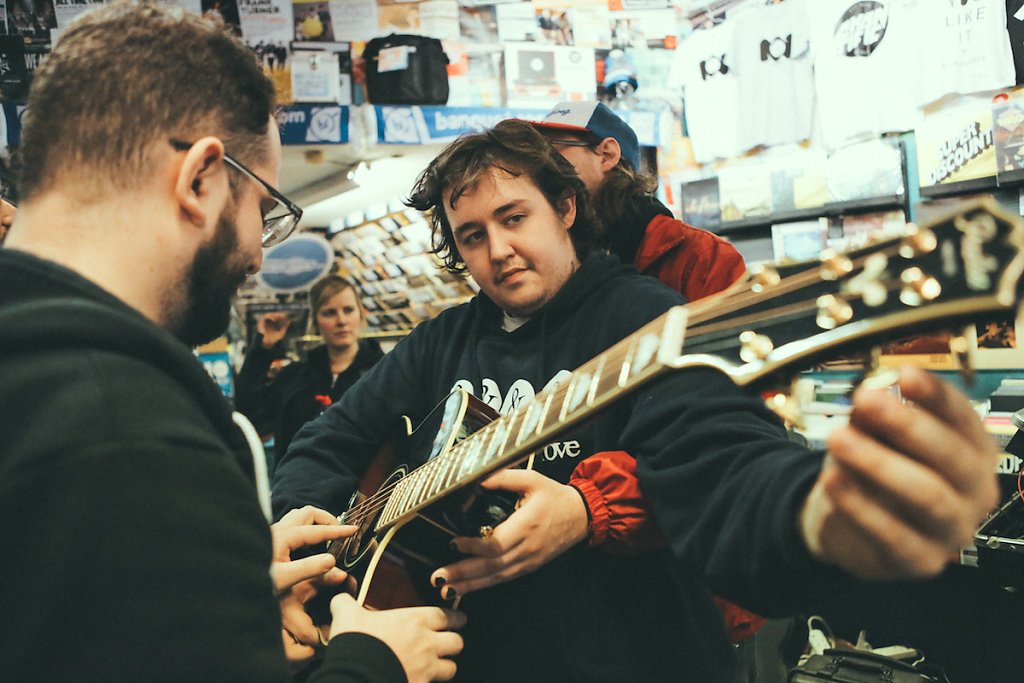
[{"x": 281, "y": 220}]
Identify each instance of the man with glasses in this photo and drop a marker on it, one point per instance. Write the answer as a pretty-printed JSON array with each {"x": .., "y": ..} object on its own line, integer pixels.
[{"x": 135, "y": 546}]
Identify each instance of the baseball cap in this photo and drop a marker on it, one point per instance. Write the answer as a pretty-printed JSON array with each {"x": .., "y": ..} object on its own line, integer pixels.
[{"x": 597, "y": 119}]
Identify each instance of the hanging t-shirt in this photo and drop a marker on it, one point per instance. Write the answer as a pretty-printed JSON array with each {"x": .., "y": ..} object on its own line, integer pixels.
[
  {"x": 866, "y": 66},
  {"x": 705, "y": 69},
  {"x": 775, "y": 70},
  {"x": 967, "y": 50},
  {"x": 1015, "y": 30}
]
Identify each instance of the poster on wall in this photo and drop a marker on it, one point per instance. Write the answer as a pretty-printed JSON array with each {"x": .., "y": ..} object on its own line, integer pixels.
[
  {"x": 323, "y": 74},
  {"x": 517, "y": 22},
  {"x": 642, "y": 24},
  {"x": 540, "y": 75},
  {"x": 478, "y": 25},
  {"x": 573, "y": 22},
  {"x": 350, "y": 20},
  {"x": 440, "y": 19},
  {"x": 266, "y": 24},
  {"x": 267, "y": 28},
  {"x": 398, "y": 16},
  {"x": 313, "y": 21},
  {"x": 955, "y": 141},
  {"x": 66, "y": 10}
]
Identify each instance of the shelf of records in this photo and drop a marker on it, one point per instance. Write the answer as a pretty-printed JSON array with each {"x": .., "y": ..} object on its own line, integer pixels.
[
  {"x": 388, "y": 257},
  {"x": 963, "y": 144},
  {"x": 797, "y": 183},
  {"x": 384, "y": 251}
]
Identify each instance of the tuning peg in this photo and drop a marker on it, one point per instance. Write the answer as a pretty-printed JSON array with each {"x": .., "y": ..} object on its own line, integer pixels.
[
  {"x": 787, "y": 408},
  {"x": 834, "y": 266},
  {"x": 918, "y": 287},
  {"x": 754, "y": 346},
  {"x": 917, "y": 241},
  {"x": 764, "y": 277},
  {"x": 832, "y": 312}
]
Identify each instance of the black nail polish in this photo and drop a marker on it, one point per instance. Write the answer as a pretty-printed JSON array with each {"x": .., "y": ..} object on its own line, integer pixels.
[
  {"x": 438, "y": 581},
  {"x": 450, "y": 594}
]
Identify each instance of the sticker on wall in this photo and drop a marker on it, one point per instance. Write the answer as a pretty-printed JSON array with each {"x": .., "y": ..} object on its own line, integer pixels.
[{"x": 298, "y": 262}]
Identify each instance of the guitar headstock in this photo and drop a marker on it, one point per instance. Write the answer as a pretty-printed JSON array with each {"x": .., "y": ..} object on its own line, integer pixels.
[{"x": 963, "y": 266}]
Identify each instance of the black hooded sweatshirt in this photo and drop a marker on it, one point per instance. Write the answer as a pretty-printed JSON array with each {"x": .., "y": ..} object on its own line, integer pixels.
[
  {"x": 298, "y": 392},
  {"x": 134, "y": 547},
  {"x": 724, "y": 481}
]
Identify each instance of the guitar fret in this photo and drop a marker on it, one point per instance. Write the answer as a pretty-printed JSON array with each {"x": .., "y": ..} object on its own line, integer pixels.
[
  {"x": 580, "y": 391},
  {"x": 566, "y": 397},
  {"x": 533, "y": 411},
  {"x": 627, "y": 364},
  {"x": 418, "y": 477},
  {"x": 515, "y": 423},
  {"x": 497, "y": 444},
  {"x": 607, "y": 383},
  {"x": 393, "y": 501},
  {"x": 597, "y": 379},
  {"x": 542, "y": 419},
  {"x": 448, "y": 463},
  {"x": 409, "y": 488},
  {"x": 433, "y": 479},
  {"x": 467, "y": 458},
  {"x": 646, "y": 352}
]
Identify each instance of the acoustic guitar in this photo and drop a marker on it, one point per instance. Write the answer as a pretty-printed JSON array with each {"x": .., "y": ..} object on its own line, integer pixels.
[{"x": 964, "y": 266}]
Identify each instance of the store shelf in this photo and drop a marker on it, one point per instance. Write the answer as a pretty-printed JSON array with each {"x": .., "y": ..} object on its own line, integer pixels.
[{"x": 830, "y": 210}]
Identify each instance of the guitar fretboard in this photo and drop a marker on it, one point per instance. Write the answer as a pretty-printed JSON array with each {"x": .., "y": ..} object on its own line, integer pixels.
[{"x": 509, "y": 440}]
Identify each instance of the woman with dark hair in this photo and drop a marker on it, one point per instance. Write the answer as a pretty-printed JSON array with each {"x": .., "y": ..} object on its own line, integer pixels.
[{"x": 280, "y": 399}]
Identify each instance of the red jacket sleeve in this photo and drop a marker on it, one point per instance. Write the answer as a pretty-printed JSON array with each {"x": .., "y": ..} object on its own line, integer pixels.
[{"x": 620, "y": 518}]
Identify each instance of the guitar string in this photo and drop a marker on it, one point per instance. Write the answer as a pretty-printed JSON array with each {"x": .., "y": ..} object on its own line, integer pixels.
[{"x": 700, "y": 314}]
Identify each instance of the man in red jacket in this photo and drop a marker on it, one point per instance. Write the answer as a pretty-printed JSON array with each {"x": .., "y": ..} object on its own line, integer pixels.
[{"x": 640, "y": 229}]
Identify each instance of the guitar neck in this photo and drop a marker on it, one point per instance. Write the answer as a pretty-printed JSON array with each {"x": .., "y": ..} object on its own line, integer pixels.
[
  {"x": 963, "y": 266},
  {"x": 507, "y": 441}
]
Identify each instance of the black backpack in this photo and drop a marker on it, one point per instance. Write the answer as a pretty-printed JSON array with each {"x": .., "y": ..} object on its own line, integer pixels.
[{"x": 406, "y": 69}]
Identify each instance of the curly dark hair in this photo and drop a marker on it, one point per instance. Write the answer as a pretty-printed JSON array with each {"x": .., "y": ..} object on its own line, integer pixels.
[{"x": 513, "y": 147}]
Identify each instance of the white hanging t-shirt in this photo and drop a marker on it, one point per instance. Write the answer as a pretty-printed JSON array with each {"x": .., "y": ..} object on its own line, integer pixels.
[
  {"x": 968, "y": 48},
  {"x": 866, "y": 66},
  {"x": 704, "y": 67},
  {"x": 776, "y": 77}
]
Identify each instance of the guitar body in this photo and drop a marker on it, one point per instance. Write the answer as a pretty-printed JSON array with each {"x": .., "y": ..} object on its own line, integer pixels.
[{"x": 393, "y": 566}]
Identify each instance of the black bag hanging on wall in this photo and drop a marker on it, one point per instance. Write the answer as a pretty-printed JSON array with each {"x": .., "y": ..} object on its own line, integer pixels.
[{"x": 406, "y": 69}]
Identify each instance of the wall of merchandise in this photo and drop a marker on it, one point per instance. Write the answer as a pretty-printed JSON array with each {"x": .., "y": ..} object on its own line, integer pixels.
[{"x": 795, "y": 124}]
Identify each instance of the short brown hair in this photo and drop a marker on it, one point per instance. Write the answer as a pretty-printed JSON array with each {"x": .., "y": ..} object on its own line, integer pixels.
[
  {"x": 511, "y": 146},
  {"x": 130, "y": 74},
  {"x": 325, "y": 289}
]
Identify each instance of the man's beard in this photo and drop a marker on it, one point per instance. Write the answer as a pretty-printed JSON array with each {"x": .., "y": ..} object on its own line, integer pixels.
[{"x": 201, "y": 308}]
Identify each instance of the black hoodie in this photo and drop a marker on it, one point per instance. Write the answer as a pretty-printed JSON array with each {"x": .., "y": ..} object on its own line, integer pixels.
[
  {"x": 724, "y": 480},
  {"x": 134, "y": 547},
  {"x": 298, "y": 392}
]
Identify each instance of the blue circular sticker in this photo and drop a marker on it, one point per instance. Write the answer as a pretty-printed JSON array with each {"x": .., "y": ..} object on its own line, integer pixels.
[{"x": 298, "y": 262}]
